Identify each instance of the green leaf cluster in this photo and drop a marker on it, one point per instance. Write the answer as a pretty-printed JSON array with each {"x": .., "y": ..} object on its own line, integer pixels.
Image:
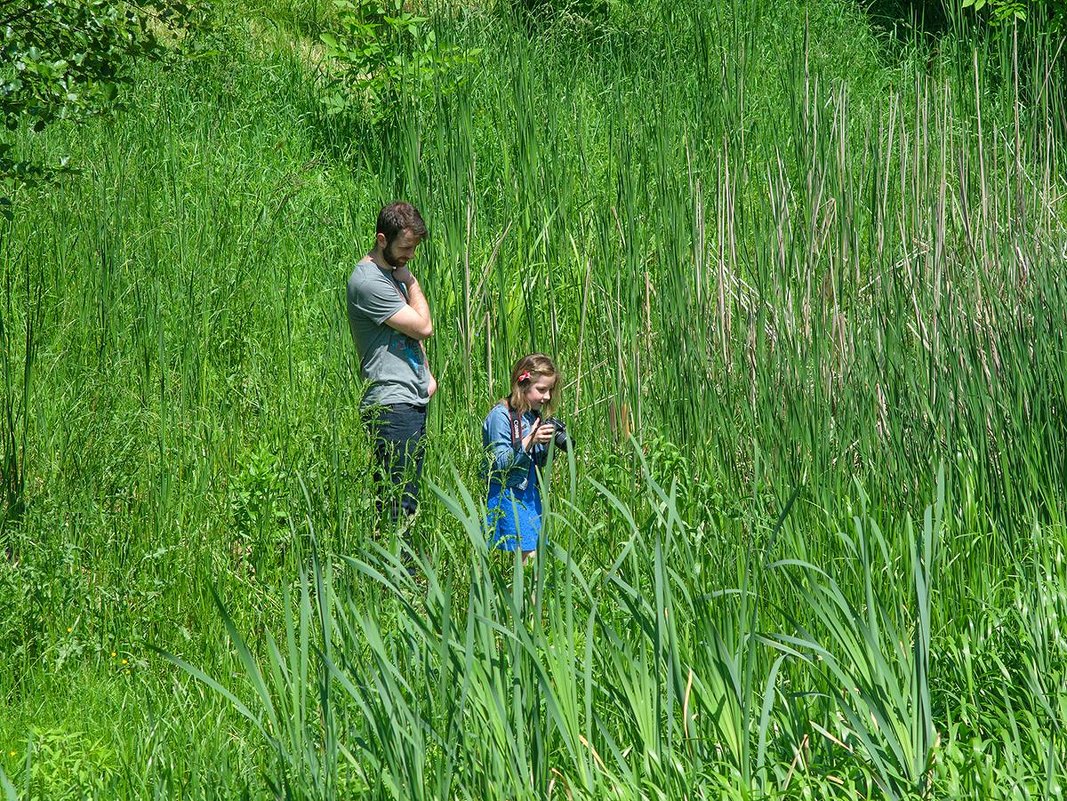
[
  {"x": 382, "y": 55},
  {"x": 1008, "y": 10},
  {"x": 70, "y": 59}
]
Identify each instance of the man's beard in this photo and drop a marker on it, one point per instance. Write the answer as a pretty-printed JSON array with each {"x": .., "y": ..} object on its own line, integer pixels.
[{"x": 390, "y": 257}]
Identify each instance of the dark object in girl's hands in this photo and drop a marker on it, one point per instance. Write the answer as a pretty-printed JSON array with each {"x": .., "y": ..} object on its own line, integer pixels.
[{"x": 562, "y": 440}]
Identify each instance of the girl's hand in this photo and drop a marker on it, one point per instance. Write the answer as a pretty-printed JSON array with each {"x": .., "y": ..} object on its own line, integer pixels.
[{"x": 540, "y": 435}]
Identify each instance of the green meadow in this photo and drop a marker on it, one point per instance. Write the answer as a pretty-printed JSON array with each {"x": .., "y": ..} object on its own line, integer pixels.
[{"x": 802, "y": 268}]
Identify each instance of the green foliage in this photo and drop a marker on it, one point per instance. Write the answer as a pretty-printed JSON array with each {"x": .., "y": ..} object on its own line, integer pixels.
[
  {"x": 503, "y": 680},
  {"x": 541, "y": 13},
  {"x": 66, "y": 765},
  {"x": 7, "y": 787},
  {"x": 20, "y": 622},
  {"x": 66, "y": 59},
  {"x": 258, "y": 505},
  {"x": 801, "y": 277},
  {"x": 1003, "y": 11},
  {"x": 383, "y": 58},
  {"x": 876, "y": 664},
  {"x": 588, "y": 20},
  {"x": 70, "y": 59}
]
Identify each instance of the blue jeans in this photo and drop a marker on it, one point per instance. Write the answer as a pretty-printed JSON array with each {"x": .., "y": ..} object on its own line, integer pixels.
[{"x": 398, "y": 431}]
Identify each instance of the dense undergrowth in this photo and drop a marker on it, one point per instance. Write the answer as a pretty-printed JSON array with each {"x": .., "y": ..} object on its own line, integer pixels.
[{"x": 805, "y": 285}]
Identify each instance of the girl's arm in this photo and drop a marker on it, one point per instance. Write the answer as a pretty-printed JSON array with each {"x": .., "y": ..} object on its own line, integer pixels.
[{"x": 496, "y": 435}]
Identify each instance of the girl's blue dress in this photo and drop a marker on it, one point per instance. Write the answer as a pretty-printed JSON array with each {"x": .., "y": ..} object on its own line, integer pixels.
[
  {"x": 515, "y": 516},
  {"x": 514, "y": 497}
]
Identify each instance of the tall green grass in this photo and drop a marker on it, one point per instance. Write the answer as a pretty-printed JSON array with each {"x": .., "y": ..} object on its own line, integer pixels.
[{"x": 813, "y": 274}]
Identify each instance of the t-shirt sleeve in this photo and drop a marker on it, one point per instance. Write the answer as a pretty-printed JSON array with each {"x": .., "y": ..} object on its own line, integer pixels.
[{"x": 376, "y": 298}]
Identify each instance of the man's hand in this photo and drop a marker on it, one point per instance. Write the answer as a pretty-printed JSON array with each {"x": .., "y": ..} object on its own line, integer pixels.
[
  {"x": 414, "y": 318},
  {"x": 431, "y": 386},
  {"x": 541, "y": 434},
  {"x": 404, "y": 276}
]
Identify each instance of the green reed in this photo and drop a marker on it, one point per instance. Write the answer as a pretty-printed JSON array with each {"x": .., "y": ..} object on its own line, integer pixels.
[{"x": 590, "y": 678}]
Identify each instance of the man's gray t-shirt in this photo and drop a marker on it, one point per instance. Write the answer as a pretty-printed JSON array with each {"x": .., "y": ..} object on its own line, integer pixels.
[{"x": 393, "y": 363}]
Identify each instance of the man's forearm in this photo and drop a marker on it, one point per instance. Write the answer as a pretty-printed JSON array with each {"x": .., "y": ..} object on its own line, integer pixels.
[{"x": 417, "y": 301}]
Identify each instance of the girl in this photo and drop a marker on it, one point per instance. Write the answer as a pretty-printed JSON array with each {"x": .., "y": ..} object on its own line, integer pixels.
[{"x": 516, "y": 443}]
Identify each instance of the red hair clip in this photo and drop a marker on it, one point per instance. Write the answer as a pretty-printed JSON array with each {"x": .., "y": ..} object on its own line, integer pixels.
[{"x": 525, "y": 376}]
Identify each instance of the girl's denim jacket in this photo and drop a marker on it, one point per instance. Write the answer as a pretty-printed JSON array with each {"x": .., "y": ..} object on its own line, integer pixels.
[{"x": 507, "y": 464}]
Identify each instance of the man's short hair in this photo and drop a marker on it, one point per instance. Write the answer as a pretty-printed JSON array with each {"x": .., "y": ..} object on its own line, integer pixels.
[{"x": 400, "y": 216}]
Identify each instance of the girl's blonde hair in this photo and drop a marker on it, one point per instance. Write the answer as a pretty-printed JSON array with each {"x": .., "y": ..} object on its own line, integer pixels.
[{"x": 527, "y": 370}]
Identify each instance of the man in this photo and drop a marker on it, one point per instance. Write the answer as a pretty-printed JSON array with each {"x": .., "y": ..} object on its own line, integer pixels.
[{"x": 389, "y": 319}]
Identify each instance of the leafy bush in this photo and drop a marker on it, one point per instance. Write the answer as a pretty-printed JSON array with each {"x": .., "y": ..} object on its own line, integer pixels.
[
  {"x": 69, "y": 59},
  {"x": 1007, "y": 10},
  {"x": 257, "y": 503},
  {"x": 19, "y": 620},
  {"x": 64, "y": 764},
  {"x": 383, "y": 54}
]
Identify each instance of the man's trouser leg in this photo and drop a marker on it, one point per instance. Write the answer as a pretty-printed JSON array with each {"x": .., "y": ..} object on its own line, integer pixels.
[{"x": 398, "y": 431}]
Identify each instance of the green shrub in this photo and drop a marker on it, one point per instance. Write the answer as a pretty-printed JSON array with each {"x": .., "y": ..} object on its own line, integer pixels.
[{"x": 383, "y": 57}]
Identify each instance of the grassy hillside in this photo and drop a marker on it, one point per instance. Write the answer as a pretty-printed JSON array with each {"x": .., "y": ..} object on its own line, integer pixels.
[{"x": 805, "y": 287}]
